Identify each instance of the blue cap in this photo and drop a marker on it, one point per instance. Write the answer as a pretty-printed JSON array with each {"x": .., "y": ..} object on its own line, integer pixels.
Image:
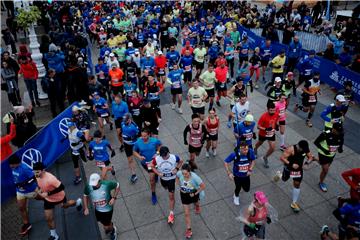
[{"x": 312, "y": 52}]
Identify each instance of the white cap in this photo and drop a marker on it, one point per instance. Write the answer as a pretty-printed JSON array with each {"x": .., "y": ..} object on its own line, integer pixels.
[
  {"x": 107, "y": 52},
  {"x": 340, "y": 98},
  {"x": 94, "y": 179},
  {"x": 112, "y": 55},
  {"x": 130, "y": 44},
  {"x": 76, "y": 108},
  {"x": 148, "y": 55},
  {"x": 160, "y": 52},
  {"x": 249, "y": 118},
  {"x": 137, "y": 50},
  {"x": 277, "y": 79},
  {"x": 19, "y": 109}
]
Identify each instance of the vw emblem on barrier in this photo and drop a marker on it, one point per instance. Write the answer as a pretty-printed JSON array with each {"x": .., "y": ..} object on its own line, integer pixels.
[
  {"x": 31, "y": 156},
  {"x": 63, "y": 126}
]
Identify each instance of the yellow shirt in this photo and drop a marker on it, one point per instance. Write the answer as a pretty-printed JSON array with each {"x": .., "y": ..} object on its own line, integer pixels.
[
  {"x": 278, "y": 61},
  {"x": 230, "y": 26},
  {"x": 112, "y": 42},
  {"x": 120, "y": 39}
]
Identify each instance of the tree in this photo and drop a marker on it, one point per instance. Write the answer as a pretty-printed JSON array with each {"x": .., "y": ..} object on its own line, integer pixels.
[{"x": 26, "y": 18}]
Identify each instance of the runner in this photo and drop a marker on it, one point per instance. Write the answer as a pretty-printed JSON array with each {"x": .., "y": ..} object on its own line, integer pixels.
[
  {"x": 328, "y": 142},
  {"x": 208, "y": 80},
  {"x": 145, "y": 149},
  {"x": 129, "y": 87},
  {"x": 266, "y": 54},
  {"x": 130, "y": 70},
  {"x": 166, "y": 166},
  {"x": 199, "y": 58},
  {"x": 26, "y": 188},
  {"x": 230, "y": 58},
  {"x": 255, "y": 62},
  {"x": 334, "y": 113},
  {"x": 98, "y": 151},
  {"x": 134, "y": 103},
  {"x": 149, "y": 118},
  {"x": 234, "y": 93},
  {"x": 100, "y": 193},
  {"x": 101, "y": 108},
  {"x": 160, "y": 65},
  {"x": 239, "y": 111},
  {"x": 288, "y": 84},
  {"x": 52, "y": 190},
  {"x": 173, "y": 57},
  {"x": 277, "y": 64},
  {"x": 348, "y": 216},
  {"x": 152, "y": 93},
  {"x": 196, "y": 98},
  {"x": 267, "y": 125},
  {"x": 305, "y": 67},
  {"x": 352, "y": 178},
  {"x": 119, "y": 108},
  {"x": 244, "y": 162},
  {"x": 212, "y": 124},
  {"x": 293, "y": 159},
  {"x": 280, "y": 107},
  {"x": 81, "y": 120},
  {"x": 175, "y": 79},
  {"x": 348, "y": 93},
  {"x": 309, "y": 97},
  {"x": 244, "y": 131},
  {"x": 275, "y": 91},
  {"x": 243, "y": 50},
  {"x": 197, "y": 133},
  {"x": 186, "y": 62},
  {"x": 116, "y": 79},
  {"x": 191, "y": 191},
  {"x": 130, "y": 132},
  {"x": 221, "y": 73}
]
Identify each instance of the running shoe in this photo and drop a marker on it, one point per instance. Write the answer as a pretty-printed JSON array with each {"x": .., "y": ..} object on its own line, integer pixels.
[
  {"x": 113, "y": 234},
  {"x": 266, "y": 162},
  {"x": 133, "y": 178},
  {"x": 236, "y": 200},
  {"x": 159, "y": 120},
  {"x": 218, "y": 103},
  {"x": 79, "y": 204},
  {"x": 207, "y": 154},
  {"x": 256, "y": 86},
  {"x": 197, "y": 209},
  {"x": 122, "y": 148},
  {"x": 188, "y": 233},
  {"x": 77, "y": 180},
  {"x": 180, "y": 111},
  {"x": 282, "y": 148},
  {"x": 172, "y": 106},
  {"x": 153, "y": 199},
  {"x": 25, "y": 229},
  {"x": 171, "y": 218},
  {"x": 308, "y": 123},
  {"x": 54, "y": 238},
  {"x": 229, "y": 125},
  {"x": 113, "y": 170},
  {"x": 277, "y": 176},
  {"x": 214, "y": 152},
  {"x": 324, "y": 230},
  {"x": 295, "y": 207},
  {"x": 323, "y": 187}
]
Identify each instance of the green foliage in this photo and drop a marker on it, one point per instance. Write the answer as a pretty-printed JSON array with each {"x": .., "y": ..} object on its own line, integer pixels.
[{"x": 26, "y": 18}]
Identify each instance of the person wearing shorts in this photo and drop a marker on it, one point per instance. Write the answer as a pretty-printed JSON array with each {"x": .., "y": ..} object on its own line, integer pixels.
[
  {"x": 98, "y": 151},
  {"x": 244, "y": 162},
  {"x": 221, "y": 73},
  {"x": 52, "y": 191},
  {"x": 145, "y": 148},
  {"x": 81, "y": 120},
  {"x": 101, "y": 108},
  {"x": 267, "y": 125},
  {"x": 191, "y": 191},
  {"x": 293, "y": 159},
  {"x": 199, "y": 58},
  {"x": 26, "y": 188},
  {"x": 119, "y": 108},
  {"x": 212, "y": 124},
  {"x": 166, "y": 165},
  {"x": 175, "y": 79},
  {"x": 130, "y": 133},
  {"x": 281, "y": 110},
  {"x": 208, "y": 80},
  {"x": 100, "y": 193},
  {"x": 196, "y": 98},
  {"x": 186, "y": 62}
]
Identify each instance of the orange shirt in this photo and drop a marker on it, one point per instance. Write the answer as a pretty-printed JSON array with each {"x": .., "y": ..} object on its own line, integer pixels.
[
  {"x": 221, "y": 74},
  {"x": 49, "y": 182},
  {"x": 160, "y": 62},
  {"x": 268, "y": 121},
  {"x": 116, "y": 77}
]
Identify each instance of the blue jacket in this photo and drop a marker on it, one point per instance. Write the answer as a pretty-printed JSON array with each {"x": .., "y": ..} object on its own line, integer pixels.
[
  {"x": 172, "y": 57},
  {"x": 306, "y": 66},
  {"x": 294, "y": 50},
  {"x": 56, "y": 61},
  {"x": 119, "y": 110},
  {"x": 338, "y": 44}
]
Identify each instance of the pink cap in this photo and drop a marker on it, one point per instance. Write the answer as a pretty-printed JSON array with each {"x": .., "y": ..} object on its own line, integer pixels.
[{"x": 260, "y": 197}]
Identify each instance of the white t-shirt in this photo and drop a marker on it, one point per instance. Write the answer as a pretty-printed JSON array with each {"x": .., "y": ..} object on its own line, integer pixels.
[
  {"x": 241, "y": 111},
  {"x": 196, "y": 97},
  {"x": 220, "y": 30},
  {"x": 200, "y": 54}
]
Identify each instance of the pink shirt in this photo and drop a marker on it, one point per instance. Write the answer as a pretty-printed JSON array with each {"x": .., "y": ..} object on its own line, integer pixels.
[
  {"x": 281, "y": 109},
  {"x": 49, "y": 182}
]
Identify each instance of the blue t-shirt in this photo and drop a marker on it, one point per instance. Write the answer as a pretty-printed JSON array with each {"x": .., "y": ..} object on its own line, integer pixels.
[
  {"x": 129, "y": 89},
  {"x": 119, "y": 110},
  {"x": 99, "y": 103},
  {"x": 245, "y": 131},
  {"x": 129, "y": 132},
  {"x": 241, "y": 163},
  {"x": 21, "y": 174},
  {"x": 352, "y": 213},
  {"x": 100, "y": 150},
  {"x": 175, "y": 78},
  {"x": 148, "y": 149}
]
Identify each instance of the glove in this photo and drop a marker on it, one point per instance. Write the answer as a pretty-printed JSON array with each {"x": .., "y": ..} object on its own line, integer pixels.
[
  {"x": 186, "y": 142},
  {"x": 254, "y": 135},
  {"x": 112, "y": 153},
  {"x": 268, "y": 129},
  {"x": 252, "y": 226},
  {"x": 268, "y": 220}
]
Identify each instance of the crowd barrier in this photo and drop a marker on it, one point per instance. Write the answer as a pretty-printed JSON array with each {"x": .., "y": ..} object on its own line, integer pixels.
[
  {"x": 331, "y": 73},
  {"x": 45, "y": 146}
]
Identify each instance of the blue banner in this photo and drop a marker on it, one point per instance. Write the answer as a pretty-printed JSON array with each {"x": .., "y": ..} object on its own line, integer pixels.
[
  {"x": 330, "y": 73},
  {"x": 45, "y": 146}
]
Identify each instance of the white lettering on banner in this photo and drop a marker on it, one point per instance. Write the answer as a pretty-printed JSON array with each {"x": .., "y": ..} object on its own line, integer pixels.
[
  {"x": 31, "y": 156},
  {"x": 334, "y": 76},
  {"x": 63, "y": 126}
]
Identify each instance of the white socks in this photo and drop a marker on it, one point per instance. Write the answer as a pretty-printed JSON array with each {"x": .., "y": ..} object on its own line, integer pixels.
[
  {"x": 282, "y": 139},
  {"x": 53, "y": 233},
  {"x": 295, "y": 194}
]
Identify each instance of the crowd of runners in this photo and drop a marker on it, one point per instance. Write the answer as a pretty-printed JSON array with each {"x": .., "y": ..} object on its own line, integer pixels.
[{"x": 194, "y": 52}]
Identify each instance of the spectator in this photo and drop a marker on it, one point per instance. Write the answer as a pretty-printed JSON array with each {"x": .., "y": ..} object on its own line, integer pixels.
[
  {"x": 9, "y": 40},
  {"x": 294, "y": 53},
  {"x": 12, "y": 63},
  {"x": 338, "y": 43},
  {"x": 23, "y": 52},
  {"x": 30, "y": 73},
  {"x": 9, "y": 82},
  {"x": 344, "y": 59},
  {"x": 25, "y": 127},
  {"x": 56, "y": 97},
  {"x": 355, "y": 66},
  {"x": 329, "y": 52},
  {"x": 288, "y": 34},
  {"x": 316, "y": 13},
  {"x": 6, "y": 150}
]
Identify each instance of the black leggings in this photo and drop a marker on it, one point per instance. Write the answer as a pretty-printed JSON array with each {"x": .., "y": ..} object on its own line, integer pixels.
[
  {"x": 231, "y": 65},
  {"x": 241, "y": 182},
  {"x": 75, "y": 158}
]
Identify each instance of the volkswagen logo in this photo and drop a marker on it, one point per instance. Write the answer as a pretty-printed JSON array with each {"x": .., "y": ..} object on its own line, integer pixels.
[
  {"x": 63, "y": 127},
  {"x": 31, "y": 156}
]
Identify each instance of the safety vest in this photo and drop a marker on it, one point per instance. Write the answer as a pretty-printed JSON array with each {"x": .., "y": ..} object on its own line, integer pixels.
[
  {"x": 335, "y": 114},
  {"x": 331, "y": 144}
]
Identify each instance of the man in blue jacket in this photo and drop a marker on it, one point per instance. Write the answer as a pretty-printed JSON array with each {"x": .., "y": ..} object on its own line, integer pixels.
[
  {"x": 306, "y": 67},
  {"x": 294, "y": 53}
]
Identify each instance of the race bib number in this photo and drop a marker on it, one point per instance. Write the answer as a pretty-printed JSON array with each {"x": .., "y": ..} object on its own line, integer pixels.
[
  {"x": 312, "y": 98},
  {"x": 100, "y": 203},
  {"x": 307, "y": 72},
  {"x": 100, "y": 164},
  {"x": 248, "y": 136},
  {"x": 269, "y": 133},
  {"x": 200, "y": 57},
  {"x": 243, "y": 168},
  {"x": 136, "y": 112},
  {"x": 187, "y": 68},
  {"x": 104, "y": 115},
  {"x": 196, "y": 141},
  {"x": 161, "y": 71},
  {"x": 176, "y": 84},
  {"x": 115, "y": 80},
  {"x": 333, "y": 148},
  {"x": 244, "y": 51},
  {"x": 196, "y": 101},
  {"x": 295, "y": 174},
  {"x": 282, "y": 112},
  {"x": 213, "y": 131},
  {"x": 168, "y": 174}
]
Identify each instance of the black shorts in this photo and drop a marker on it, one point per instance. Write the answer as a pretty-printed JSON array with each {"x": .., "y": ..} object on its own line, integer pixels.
[
  {"x": 117, "y": 90},
  {"x": 105, "y": 115},
  {"x": 242, "y": 183},
  {"x": 168, "y": 184},
  {"x": 325, "y": 159},
  {"x": 75, "y": 158},
  {"x": 219, "y": 38},
  {"x": 186, "y": 199},
  {"x": 200, "y": 110},
  {"x": 199, "y": 65},
  {"x": 154, "y": 130},
  {"x": 128, "y": 149},
  {"x": 146, "y": 168},
  {"x": 263, "y": 139},
  {"x": 258, "y": 232},
  {"x": 196, "y": 150},
  {"x": 213, "y": 137},
  {"x": 306, "y": 103},
  {"x": 242, "y": 59},
  {"x": 187, "y": 76},
  {"x": 118, "y": 122},
  {"x": 220, "y": 86},
  {"x": 161, "y": 74},
  {"x": 286, "y": 175},
  {"x": 264, "y": 63},
  {"x": 51, "y": 205},
  {"x": 175, "y": 91},
  {"x": 210, "y": 92},
  {"x": 104, "y": 217},
  {"x": 282, "y": 122},
  {"x": 107, "y": 163}
]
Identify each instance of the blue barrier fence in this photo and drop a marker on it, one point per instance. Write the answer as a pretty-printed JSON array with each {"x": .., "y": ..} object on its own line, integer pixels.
[
  {"x": 45, "y": 146},
  {"x": 330, "y": 73}
]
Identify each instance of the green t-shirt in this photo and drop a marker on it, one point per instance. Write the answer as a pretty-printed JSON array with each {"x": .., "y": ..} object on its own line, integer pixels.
[
  {"x": 121, "y": 53},
  {"x": 208, "y": 79},
  {"x": 235, "y": 37},
  {"x": 101, "y": 196}
]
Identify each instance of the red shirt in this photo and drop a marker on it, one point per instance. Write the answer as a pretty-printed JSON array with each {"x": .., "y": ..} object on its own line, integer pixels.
[
  {"x": 5, "y": 142},
  {"x": 221, "y": 74},
  {"x": 160, "y": 61},
  {"x": 220, "y": 61},
  {"x": 266, "y": 121},
  {"x": 354, "y": 174},
  {"x": 29, "y": 70}
]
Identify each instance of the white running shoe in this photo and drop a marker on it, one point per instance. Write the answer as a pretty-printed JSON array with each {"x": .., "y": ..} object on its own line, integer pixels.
[
  {"x": 207, "y": 154},
  {"x": 180, "y": 110},
  {"x": 236, "y": 201},
  {"x": 214, "y": 152},
  {"x": 172, "y": 106},
  {"x": 277, "y": 176}
]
